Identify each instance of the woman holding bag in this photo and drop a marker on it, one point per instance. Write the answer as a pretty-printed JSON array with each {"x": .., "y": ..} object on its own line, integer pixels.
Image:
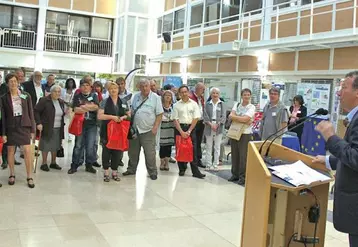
[
  {"x": 49, "y": 116},
  {"x": 111, "y": 109},
  {"x": 244, "y": 114}
]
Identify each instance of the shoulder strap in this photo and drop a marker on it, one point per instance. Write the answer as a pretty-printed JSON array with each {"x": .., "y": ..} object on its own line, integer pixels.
[{"x": 136, "y": 110}]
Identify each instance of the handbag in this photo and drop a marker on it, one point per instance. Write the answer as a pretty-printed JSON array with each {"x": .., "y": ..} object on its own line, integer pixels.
[
  {"x": 60, "y": 153},
  {"x": 236, "y": 130},
  {"x": 76, "y": 125},
  {"x": 133, "y": 132},
  {"x": 184, "y": 149},
  {"x": 228, "y": 121},
  {"x": 117, "y": 135}
]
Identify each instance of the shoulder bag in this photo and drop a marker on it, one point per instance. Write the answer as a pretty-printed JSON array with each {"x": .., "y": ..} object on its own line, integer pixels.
[{"x": 133, "y": 132}]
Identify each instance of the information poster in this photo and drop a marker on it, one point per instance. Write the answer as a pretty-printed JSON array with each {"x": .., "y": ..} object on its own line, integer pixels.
[
  {"x": 315, "y": 95},
  {"x": 335, "y": 111},
  {"x": 265, "y": 95}
]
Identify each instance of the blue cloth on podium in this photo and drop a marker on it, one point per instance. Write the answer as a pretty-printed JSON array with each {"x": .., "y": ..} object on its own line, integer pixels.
[
  {"x": 291, "y": 142},
  {"x": 312, "y": 142}
]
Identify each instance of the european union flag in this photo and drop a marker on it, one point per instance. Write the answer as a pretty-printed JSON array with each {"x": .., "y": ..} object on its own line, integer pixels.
[{"x": 312, "y": 142}]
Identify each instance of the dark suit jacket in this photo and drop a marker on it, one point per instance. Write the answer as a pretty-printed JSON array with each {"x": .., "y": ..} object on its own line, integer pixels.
[
  {"x": 8, "y": 119},
  {"x": 344, "y": 160},
  {"x": 45, "y": 115},
  {"x": 30, "y": 89}
]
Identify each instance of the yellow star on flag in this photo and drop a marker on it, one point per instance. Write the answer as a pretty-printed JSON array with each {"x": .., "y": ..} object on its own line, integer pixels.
[
  {"x": 312, "y": 149},
  {"x": 319, "y": 137},
  {"x": 317, "y": 144},
  {"x": 314, "y": 122}
]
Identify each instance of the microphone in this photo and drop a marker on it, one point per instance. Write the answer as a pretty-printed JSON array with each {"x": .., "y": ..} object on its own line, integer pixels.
[{"x": 320, "y": 111}]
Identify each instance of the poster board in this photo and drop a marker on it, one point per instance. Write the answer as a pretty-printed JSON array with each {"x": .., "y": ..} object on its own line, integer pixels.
[{"x": 316, "y": 94}]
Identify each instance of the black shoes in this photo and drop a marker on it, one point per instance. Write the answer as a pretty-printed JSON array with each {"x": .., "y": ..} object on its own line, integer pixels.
[
  {"x": 95, "y": 164},
  {"x": 11, "y": 180},
  {"x": 71, "y": 171},
  {"x": 90, "y": 169},
  {"x": 121, "y": 163},
  {"x": 233, "y": 179},
  {"x": 200, "y": 176},
  {"x": 45, "y": 168},
  {"x": 200, "y": 164},
  {"x": 242, "y": 181},
  {"x": 128, "y": 173},
  {"x": 55, "y": 166},
  {"x": 17, "y": 163},
  {"x": 30, "y": 183},
  {"x": 153, "y": 177},
  {"x": 181, "y": 173},
  {"x": 4, "y": 165}
]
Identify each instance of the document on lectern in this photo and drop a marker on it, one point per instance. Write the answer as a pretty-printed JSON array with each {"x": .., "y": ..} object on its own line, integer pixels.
[{"x": 298, "y": 174}]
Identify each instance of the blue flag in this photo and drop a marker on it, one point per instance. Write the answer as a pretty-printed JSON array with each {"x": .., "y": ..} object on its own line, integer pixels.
[{"x": 312, "y": 142}]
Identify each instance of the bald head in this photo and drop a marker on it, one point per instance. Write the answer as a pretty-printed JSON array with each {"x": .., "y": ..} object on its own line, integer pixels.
[{"x": 200, "y": 89}]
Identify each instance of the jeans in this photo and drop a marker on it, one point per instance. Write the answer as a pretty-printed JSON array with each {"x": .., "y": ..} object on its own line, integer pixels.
[{"x": 85, "y": 143}]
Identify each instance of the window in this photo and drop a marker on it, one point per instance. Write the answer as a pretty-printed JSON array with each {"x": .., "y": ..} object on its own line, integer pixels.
[
  {"x": 140, "y": 61},
  {"x": 179, "y": 19},
  {"x": 18, "y": 18},
  {"x": 252, "y": 5},
  {"x": 196, "y": 15},
  {"x": 5, "y": 16},
  {"x": 101, "y": 28},
  {"x": 289, "y": 3},
  {"x": 24, "y": 19},
  {"x": 309, "y": 1},
  {"x": 160, "y": 23},
  {"x": 168, "y": 23},
  {"x": 230, "y": 8},
  {"x": 212, "y": 12},
  {"x": 77, "y": 25}
]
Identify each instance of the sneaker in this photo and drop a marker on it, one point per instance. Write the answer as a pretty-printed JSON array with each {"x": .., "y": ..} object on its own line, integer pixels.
[
  {"x": 90, "y": 169},
  {"x": 153, "y": 177},
  {"x": 55, "y": 166},
  {"x": 45, "y": 168},
  {"x": 71, "y": 171}
]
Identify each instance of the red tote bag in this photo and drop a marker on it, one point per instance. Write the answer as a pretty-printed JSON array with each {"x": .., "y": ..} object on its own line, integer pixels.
[
  {"x": 117, "y": 135},
  {"x": 184, "y": 149},
  {"x": 76, "y": 125}
]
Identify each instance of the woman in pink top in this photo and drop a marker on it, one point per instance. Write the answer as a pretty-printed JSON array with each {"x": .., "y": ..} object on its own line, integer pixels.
[{"x": 298, "y": 111}]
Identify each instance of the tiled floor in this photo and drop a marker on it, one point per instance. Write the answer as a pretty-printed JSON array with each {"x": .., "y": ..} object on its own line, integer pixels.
[{"x": 81, "y": 210}]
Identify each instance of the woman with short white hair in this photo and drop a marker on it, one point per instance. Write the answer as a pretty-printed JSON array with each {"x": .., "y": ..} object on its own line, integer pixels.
[
  {"x": 214, "y": 119},
  {"x": 49, "y": 117}
]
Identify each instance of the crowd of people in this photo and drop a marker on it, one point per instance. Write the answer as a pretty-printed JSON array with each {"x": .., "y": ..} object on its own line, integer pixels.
[{"x": 31, "y": 109}]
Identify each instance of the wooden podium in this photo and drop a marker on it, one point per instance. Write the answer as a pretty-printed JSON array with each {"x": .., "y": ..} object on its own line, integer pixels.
[{"x": 271, "y": 204}]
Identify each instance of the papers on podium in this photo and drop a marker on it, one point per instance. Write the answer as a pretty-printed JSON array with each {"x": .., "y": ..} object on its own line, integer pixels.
[{"x": 298, "y": 174}]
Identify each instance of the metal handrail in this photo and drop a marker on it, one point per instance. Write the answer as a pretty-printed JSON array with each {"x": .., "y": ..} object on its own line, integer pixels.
[
  {"x": 94, "y": 46},
  {"x": 17, "y": 38},
  {"x": 61, "y": 43}
]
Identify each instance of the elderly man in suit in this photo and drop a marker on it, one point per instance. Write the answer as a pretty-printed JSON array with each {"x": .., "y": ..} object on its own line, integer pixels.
[{"x": 344, "y": 160}]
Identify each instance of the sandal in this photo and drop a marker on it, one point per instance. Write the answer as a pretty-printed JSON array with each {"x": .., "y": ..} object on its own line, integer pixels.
[
  {"x": 115, "y": 177},
  {"x": 106, "y": 178},
  {"x": 31, "y": 185},
  {"x": 11, "y": 180}
]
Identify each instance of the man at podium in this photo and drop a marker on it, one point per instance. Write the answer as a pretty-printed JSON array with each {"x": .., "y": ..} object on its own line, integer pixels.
[{"x": 344, "y": 160}]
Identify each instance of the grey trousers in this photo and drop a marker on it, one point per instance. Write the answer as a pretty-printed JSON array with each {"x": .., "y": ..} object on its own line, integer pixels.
[
  {"x": 239, "y": 155},
  {"x": 147, "y": 141}
]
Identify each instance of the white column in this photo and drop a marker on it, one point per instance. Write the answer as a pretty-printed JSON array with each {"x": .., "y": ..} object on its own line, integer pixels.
[
  {"x": 267, "y": 11},
  {"x": 40, "y": 36},
  {"x": 187, "y": 24}
]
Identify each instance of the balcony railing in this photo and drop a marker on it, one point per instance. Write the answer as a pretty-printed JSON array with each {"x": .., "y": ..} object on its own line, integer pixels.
[
  {"x": 16, "y": 38},
  {"x": 91, "y": 46},
  {"x": 75, "y": 45},
  {"x": 61, "y": 43}
]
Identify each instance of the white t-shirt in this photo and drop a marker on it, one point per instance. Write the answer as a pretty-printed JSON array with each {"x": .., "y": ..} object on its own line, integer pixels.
[{"x": 248, "y": 110}]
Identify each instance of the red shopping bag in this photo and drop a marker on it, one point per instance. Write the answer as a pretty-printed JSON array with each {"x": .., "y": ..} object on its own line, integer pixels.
[
  {"x": 117, "y": 135},
  {"x": 1, "y": 144},
  {"x": 76, "y": 125},
  {"x": 184, "y": 149}
]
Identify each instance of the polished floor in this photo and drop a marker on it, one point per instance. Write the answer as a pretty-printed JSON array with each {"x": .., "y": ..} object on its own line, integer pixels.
[{"x": 81, "y": 210}]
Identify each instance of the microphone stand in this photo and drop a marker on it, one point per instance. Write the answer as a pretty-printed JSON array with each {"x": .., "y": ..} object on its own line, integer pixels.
[
  {"x": 288, "y": 126},
  {"x": 268, "y": 148}
]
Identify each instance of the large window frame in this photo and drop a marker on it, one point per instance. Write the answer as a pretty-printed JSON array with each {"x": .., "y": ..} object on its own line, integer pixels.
[
  {"x": 90, "y": 24},
  {"x": 12, "y": 11},
  {"x": 178, "y": 25}
]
